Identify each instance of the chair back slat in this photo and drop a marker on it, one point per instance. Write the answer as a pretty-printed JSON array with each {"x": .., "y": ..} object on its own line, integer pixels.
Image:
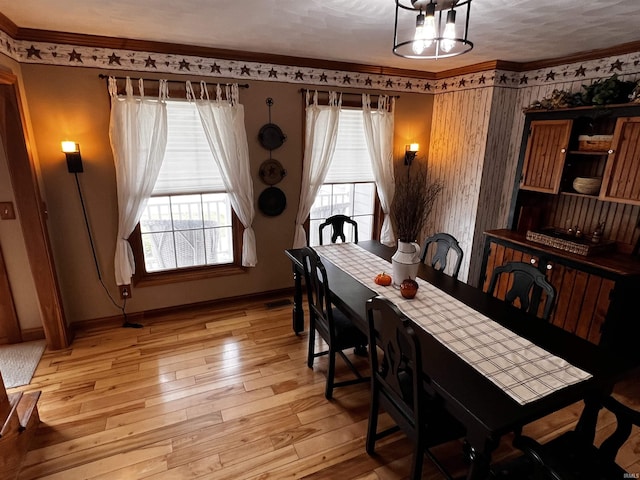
[
  {"x": 400, "y": 368},
  {"x": 400, "y": 386},
  {"x": 526, "y": 284},
  {"x": 444, "y": 243},
  {"x": 318, "y": 292},
  {"x": 337, "y": 223},
  {"x": 334, "y": 326}
]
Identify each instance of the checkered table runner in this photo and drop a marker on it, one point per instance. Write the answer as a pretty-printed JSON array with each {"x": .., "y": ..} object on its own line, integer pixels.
[{"x": 523, "y": 370}]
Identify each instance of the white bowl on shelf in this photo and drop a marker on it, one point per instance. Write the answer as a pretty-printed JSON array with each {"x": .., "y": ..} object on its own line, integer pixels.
[{"x": 587, "y": 185}]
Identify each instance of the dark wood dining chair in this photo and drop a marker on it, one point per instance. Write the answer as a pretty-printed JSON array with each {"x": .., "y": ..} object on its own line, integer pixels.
[
  {"x": 444, "y": 243},
  {"x": 337, "y": 222},
  {"x": 525, "y": 283},
  {"x": 399, "y": 386},
  {"x": 573, "y": 455},
  {"x": 334, "y": 327}
]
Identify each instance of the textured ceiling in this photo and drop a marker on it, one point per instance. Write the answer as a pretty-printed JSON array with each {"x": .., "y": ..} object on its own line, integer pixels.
[{"x": 350, "y": 31}]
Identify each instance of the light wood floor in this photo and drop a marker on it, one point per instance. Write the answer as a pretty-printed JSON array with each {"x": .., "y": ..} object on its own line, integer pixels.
[{"x": 217, "y": 394}]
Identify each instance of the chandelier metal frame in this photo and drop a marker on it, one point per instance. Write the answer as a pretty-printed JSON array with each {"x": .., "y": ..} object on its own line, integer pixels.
[{"x": 408, "y": 44}]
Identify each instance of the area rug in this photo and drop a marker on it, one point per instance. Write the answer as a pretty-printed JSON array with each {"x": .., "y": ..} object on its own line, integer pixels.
[{"x": 18, "y": 362}]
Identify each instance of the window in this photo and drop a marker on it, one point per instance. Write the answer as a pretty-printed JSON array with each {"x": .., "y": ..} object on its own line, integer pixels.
[
  {"x": 349, "y": 188},
  {"x": 188, "y": 225}
]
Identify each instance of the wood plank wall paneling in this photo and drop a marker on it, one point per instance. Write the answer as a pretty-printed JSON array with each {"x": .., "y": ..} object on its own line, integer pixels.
[
  {"x": 456, "y": 156},
  {"x": 620, "y": 219},
  {"x": 496, "y": 158}
]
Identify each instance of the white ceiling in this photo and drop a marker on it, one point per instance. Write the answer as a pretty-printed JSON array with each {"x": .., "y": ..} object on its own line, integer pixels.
[{"x": 350, "y": 31}]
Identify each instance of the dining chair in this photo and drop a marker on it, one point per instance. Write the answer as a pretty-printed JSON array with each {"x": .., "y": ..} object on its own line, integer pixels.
[
  {"x": 573, "y": 455},
  {"x": 337, "y": 223},
  {"x": 399, "y": 386},
  {"x": 333, "y": 326},
  {"x": 525, "y": 283},
  {"x": 444, "y": 243}
]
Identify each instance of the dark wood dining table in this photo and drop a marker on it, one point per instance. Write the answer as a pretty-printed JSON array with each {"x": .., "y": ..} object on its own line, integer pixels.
[{"x": 487, "y": 411}]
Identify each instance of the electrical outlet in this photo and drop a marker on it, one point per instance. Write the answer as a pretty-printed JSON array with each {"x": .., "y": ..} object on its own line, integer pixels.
[
  {"x": 125, "y": 292},
  {"x": 7, "y": 211}
]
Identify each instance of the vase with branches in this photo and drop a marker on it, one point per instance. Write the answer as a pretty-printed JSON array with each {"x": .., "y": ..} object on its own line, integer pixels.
[{"x": 412, "y": 203}]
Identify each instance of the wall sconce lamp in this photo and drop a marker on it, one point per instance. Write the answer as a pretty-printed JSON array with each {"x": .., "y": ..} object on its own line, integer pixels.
[
  {"x": 410, "y": 152},
  {"x": 74, "y": 160}
]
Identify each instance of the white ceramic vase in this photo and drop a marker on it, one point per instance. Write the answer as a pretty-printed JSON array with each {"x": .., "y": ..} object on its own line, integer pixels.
[{"x": 405, "y": 262}]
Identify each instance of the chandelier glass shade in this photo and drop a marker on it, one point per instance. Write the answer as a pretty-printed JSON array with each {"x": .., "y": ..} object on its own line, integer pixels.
[{"x": 431, "y": 28}]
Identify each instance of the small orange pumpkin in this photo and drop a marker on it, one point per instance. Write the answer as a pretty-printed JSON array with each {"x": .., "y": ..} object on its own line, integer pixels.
[{"x": 383, "y": 279}]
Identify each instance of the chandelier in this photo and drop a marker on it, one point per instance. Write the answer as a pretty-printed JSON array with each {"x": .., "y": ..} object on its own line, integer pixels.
[{"x": 430, "y": 29}]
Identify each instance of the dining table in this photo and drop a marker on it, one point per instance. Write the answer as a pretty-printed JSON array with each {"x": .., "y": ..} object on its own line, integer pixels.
[{"x": 525, "y": 369}]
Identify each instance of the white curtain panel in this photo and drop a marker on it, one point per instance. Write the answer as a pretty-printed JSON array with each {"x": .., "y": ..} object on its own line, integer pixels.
[
  {"x": 138, "y": 135},
  {"x": 223, "y": 123},
  {"x": 321, "y": 131},
  {"x": 378, "y": 131}
]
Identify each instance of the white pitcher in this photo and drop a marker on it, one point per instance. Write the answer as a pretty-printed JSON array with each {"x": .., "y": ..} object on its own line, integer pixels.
[{"x": 405, "y": 262}]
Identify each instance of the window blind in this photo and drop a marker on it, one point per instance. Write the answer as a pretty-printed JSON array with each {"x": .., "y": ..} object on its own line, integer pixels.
[
  {"x": 351, "y": 161},
  {"x": 188, "y": 165}
]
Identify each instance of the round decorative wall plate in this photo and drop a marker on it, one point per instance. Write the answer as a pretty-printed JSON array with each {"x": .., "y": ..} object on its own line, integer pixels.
[
  {"x": 271, "y": 136},
  {"x": 271, "y": 171},
  {"x": 272, "y": 201}
]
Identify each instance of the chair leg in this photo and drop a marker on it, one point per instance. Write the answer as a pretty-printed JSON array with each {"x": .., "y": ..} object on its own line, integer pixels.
[
  {"x": 312, "y": 342},
  {"x": 372, "y": 428},
  {"x": 418, "y": 460},
  {"x": 328, "y": 393}
]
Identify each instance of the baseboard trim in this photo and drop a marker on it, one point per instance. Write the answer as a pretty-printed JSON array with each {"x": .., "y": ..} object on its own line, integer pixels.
[
  {"x": 148, "y": 315},
  {"x": 31, "y": 334}
]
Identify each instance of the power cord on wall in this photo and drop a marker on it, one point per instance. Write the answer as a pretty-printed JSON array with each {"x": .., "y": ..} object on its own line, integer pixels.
[{"x": 122, "y": 308}]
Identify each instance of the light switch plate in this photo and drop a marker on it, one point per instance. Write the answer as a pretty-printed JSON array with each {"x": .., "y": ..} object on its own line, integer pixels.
[{"x": 7, "y": 212}]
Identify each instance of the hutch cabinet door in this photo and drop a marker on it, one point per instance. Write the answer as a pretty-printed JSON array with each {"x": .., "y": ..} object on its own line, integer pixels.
[
  {"x": 544, "y": 158},
  {"x": 622, "y": 175},
  {"x": 582, "y": 301}
]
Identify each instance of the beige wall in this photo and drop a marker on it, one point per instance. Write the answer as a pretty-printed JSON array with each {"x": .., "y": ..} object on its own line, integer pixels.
[{"x": 72, "y": 103}]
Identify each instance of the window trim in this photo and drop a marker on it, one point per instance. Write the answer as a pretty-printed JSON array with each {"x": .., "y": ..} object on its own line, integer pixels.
[{"x": 142, "y": 278}]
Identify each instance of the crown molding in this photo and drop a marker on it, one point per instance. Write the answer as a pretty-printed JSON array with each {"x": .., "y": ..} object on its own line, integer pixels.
[
  {"x": 27, "y": 45},
  {"x": 99, "y": 41},
  {"x": 8, "y": 26},
  {"x": 117, "y": 43},
  {"x": 589, "y": 55}
]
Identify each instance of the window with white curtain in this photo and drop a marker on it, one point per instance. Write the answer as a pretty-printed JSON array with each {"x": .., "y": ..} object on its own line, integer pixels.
[
  {"x": 188, "y": 221},
  {"x": 349, "y": 188}
]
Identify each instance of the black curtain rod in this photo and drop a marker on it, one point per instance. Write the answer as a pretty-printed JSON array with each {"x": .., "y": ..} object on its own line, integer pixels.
[
  {"x": 104, "y": 77},
  {"x": 303, "y": 90}
]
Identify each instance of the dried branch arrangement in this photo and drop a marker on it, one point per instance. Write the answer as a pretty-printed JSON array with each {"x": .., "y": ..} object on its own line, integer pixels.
[{"x": 412, "y": 203}]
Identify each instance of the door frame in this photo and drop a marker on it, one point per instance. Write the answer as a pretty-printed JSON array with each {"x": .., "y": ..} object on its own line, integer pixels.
[
  {"x": 32, "y": 212},
  {"x": 9, "y": 325}
]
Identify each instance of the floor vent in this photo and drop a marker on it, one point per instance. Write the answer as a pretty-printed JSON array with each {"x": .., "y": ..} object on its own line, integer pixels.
[{"x": 278, "y": 303}]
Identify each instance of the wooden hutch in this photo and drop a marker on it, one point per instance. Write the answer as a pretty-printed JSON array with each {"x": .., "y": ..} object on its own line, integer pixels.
[{"x": 595, "y": 279}]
